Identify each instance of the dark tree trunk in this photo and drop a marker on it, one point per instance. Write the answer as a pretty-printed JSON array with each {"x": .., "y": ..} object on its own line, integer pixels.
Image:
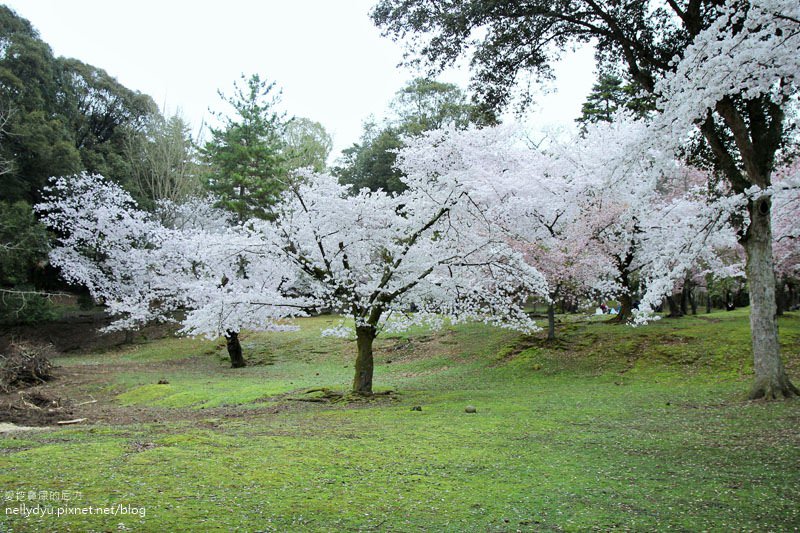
[
  {"x": 780, "y": 297},
  {"x": 625, "y": 306},
  {"x": 234, "y": 349},
  {"x": 730, "y": 304},
  {"x": 362, "y": 383},
  {"x": 742, "y": 297},
  {"x": 771, "y": 379},
  {"x": 551, "y": 322},
  {"x": 674, "y": 307},
  {"x": 625, "y": 300},
  {"x": 709, "y": 288},
  {"x": 692, "y": 301},
  {"x": 685, "y": 298}
]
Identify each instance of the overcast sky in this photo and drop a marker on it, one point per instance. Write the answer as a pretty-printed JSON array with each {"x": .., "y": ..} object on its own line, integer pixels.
[{"x": 330, "y": 61}]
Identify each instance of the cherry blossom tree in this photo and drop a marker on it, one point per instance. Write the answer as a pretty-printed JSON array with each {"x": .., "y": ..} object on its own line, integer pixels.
[
  {"x": 528, "y": 196},
  {"x": 582, "y": 211},
  {"x": 724, "y": 73},
  {"x": 200, "y": 270},
  {"x": 388, "y": 261},
  {"x": 733, "y": 85},
  {"x": 601, "y": 215},
  {"x": 620, "y": 185},
  {"x": 786, "y": 234},
  {"x": 689, "y": 235},
  {"x": 644, "y": 211}
]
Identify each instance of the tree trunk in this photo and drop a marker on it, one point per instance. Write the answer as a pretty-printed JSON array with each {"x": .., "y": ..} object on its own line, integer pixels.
[
  {"x": 624, "y": 299},
  {"x": 742, "y": 298},
  {"x": 234, "y": 349},
  {"x": 362, "y": 383},
  {"x": 551, "y": 322},
  {"x": 625, "y": 306},
  {"x": 730, "y": 304},
  {"x": 685, "y": 298},
  {"x": 709, "y": 287},
  {"x": 780, "y": 297},
  {"x": 771, "y": 379},
  {"x": 674, "y": 307},
  {"x": 692, "y": 301}
]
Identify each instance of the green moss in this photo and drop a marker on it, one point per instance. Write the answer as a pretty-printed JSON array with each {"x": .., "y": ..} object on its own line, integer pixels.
[
  {"x": 13, "y": 442},
  {"x": 168, "y": 349},
  {"x": 199, "y": 393},
  {"x": 611, "y": 427}
]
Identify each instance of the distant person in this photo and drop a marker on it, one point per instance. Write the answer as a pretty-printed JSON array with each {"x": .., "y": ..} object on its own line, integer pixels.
[{"x": 604, "y": 308}]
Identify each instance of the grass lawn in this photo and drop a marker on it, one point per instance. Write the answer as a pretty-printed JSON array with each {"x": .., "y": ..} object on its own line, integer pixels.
[{"x": 610, "y": 427}]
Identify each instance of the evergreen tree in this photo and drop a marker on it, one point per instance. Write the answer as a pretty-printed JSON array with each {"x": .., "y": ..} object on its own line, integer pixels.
[
  {"x": 611, "y": 93},
  {"x": 422, "y": 105},
  {"x": 38, "y": 143},
  {"x": 24, "y": 244},
  {"x": 370, "y": 163},
  {"x": 246, "y": 157},
  {"x": 63, "y": 116}
]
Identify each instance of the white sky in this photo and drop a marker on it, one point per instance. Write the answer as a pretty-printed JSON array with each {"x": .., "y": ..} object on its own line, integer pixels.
[{"x": 326, "y": 55}]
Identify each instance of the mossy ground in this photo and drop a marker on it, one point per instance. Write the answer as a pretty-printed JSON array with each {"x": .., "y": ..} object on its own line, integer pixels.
[{"x": 610, "y": 427}]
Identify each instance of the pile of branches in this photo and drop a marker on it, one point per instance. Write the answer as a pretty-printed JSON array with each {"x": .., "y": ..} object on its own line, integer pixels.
[{"x": 24, "y": 365}]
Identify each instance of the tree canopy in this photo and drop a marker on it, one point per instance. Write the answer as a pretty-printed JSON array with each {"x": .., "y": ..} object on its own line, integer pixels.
[
  {"x": 421, "y": 105},
  {"x": 724, "y": 72},
  {"x": 63, "y": 115},
  {"x": 307, "y": 144},
  {"x": 59, "y": 116},
  {"x": 245, "y": 154},
  {"x": 611, "y": 94}
]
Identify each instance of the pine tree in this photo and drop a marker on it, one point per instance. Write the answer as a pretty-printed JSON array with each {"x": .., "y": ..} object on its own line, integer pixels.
[
  {"x": 610, "y": 94},
  {"x": 245, "y": 156}
]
